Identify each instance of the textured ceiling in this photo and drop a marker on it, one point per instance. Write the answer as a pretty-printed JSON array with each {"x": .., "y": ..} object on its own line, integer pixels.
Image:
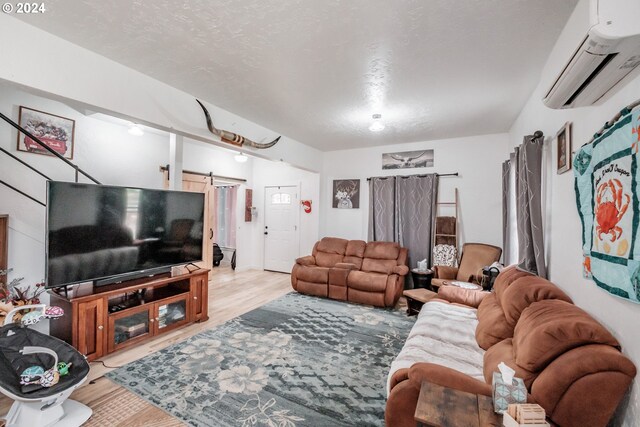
[{"x": 316, "y": 70}]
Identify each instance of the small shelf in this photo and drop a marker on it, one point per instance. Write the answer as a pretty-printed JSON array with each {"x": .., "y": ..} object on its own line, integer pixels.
[{"x": 138, "y": 298}]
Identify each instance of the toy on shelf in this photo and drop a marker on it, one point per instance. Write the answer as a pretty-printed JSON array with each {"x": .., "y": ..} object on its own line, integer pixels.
[{"x": 525, "y": 415}]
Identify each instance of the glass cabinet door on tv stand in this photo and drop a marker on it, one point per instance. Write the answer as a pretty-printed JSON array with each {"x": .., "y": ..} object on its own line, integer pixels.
[
  {"x": 171, "y": 313},
  {"x": 130, "y": 326}
]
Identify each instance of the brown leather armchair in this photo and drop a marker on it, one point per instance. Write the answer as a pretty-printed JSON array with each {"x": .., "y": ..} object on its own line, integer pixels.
[{"x": 474, "y": 257}]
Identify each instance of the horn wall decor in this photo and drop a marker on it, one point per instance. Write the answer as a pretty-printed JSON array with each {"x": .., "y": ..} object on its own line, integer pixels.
[{"x": 233, "y": 138}]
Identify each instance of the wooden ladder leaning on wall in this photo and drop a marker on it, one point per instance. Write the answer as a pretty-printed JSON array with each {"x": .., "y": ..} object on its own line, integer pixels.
[{"x": 444, "y": 236}]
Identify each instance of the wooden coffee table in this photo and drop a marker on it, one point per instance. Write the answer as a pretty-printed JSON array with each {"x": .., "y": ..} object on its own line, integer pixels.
[
  {"x": 445, "y": 407},
  {"x": 416, "y": 299}
]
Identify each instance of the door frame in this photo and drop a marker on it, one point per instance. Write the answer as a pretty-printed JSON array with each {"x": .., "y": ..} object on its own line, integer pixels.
[{"x": 297, "y": 217}]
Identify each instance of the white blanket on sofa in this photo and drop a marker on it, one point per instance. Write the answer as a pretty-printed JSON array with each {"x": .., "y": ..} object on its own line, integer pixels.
[{"x": 443, "y": 334}]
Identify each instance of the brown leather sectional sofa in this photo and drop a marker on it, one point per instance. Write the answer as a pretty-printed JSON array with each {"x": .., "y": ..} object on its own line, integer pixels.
[
  {"x": 352, "y": 270},
  {"x": 571, "y": 365}
]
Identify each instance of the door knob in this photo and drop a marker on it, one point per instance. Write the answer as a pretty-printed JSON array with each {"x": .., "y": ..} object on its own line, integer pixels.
[
  {"x": 266, "y": 232},
  {"x": 100, "y": 327}
]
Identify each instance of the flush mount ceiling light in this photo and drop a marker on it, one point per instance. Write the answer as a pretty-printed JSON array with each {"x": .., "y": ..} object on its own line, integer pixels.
[
  {"x": 377, "y": 124},
  {"x": 136, "y": 130},
  {"x": 240, "y": 158}
]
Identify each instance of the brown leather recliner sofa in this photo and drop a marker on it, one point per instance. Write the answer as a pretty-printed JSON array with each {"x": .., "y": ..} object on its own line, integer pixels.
[
  {"x": 571, "y": 365},
  {"x": 352, "y": 270}
]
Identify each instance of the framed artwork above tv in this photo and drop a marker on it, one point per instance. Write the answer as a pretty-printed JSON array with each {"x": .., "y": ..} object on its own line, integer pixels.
[{"x": 56, "y": 132}]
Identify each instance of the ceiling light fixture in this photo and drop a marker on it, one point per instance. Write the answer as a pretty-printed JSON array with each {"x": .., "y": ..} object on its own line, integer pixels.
[
  {"x": 240, "y": 158},
  {"x": 136, "y": 130},
  {"x": 377, "y": 124}
]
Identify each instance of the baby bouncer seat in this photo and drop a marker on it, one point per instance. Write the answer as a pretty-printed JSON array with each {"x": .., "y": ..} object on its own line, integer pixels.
[{"x": 31, "y": 373}]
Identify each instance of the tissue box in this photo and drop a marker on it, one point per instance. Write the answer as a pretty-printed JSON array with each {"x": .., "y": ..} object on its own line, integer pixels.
[{"x": 504, "y": 394}]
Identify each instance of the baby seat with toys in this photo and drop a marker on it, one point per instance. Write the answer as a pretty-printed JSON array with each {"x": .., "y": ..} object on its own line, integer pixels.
[{"x": 39, "y": 373}]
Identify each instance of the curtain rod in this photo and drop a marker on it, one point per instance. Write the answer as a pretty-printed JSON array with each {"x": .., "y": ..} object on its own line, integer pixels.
[
  {"x": 615, "y": 118},
  {"x": 421, "y": 176},
  {"x": 209, "y": 174}
]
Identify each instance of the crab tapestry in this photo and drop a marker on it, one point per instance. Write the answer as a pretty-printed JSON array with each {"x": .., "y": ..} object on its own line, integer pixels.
[{"x": 606, "y": 185}]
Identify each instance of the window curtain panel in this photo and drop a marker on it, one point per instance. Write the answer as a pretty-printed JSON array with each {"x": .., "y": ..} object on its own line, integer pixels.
[
  {"x": 382, "y": 219},
  {"x": 528, "y": 171},
  {"x": 225, "y": 216},
  {"x": 416, "y": 198},
  {"x": 402, "y": 209},
  {"x": 509, "y": 221}
]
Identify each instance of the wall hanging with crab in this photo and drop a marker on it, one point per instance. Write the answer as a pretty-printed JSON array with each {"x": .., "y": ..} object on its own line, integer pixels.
[{"x": 607, "y": 183}]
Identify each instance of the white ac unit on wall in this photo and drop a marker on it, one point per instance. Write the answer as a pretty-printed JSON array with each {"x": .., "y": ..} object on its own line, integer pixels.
[{"x": 608, "y": 52}]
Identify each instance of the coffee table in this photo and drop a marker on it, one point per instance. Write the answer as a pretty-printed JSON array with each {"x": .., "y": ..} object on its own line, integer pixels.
[
  {"x": 416, "y": 299},
  {"x": 440, "y": 406}
]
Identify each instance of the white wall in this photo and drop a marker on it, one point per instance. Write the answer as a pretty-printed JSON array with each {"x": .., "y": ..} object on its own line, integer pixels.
[
  {"x": 563, "y": 227},
  {"x": 477, "y": 159}
]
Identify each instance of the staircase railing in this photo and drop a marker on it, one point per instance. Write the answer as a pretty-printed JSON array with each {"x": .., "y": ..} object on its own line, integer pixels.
[{"x": 78, "y": 170}]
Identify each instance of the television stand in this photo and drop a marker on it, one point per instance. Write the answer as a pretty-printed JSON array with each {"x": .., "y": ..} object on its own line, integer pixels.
[{"x": 123, "y": 315}]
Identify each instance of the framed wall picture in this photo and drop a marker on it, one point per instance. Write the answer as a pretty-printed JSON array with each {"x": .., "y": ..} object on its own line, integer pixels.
[
  {"x": 408, "y": 159},
  {"x": 55, "y": 131},
  {"x": 563, "y": 141},
  {"x": 346, "y": 193}
]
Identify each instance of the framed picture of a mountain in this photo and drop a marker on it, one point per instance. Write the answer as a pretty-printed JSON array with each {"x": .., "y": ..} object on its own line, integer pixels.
[
  {"x": 55, "y": 131},
  {"x": 408, "y": 159}
]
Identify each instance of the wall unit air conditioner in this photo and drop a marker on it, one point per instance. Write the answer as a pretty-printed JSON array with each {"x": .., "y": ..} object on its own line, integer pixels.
[{"x": 609, "y": 50}]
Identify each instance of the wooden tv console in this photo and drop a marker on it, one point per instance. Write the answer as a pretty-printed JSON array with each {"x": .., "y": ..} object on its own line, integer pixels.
[{"x": 113, "y": 317}]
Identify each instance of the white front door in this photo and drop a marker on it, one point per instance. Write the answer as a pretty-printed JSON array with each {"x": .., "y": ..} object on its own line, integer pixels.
[{"x": 280, "y": 228}]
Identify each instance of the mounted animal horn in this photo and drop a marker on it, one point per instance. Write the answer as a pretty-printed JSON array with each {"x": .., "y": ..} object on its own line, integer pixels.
[{"x": 233, "y": 138}]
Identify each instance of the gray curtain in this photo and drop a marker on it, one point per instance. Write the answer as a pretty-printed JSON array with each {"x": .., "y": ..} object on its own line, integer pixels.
[
  {"x": 416, "y": 198},
  {"x": 402, "y": 209},
  {"x": 506, "y": 172},
  {"x": 382, "y": 219},
  {"x": 529, "y": 206}
]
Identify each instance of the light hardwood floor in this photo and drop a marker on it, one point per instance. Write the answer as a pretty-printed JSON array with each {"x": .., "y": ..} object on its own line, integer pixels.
[{"x": 231, "y": 294}]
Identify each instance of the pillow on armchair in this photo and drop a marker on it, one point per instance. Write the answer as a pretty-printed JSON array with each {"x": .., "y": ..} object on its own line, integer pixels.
[{"x": 446, "y": 255}]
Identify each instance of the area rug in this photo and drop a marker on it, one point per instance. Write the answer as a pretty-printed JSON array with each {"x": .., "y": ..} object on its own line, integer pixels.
[{"x": 297, "y": 361}]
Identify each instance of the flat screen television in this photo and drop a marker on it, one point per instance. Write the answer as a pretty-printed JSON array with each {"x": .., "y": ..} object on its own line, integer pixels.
[{"x": 108, "y": 234}]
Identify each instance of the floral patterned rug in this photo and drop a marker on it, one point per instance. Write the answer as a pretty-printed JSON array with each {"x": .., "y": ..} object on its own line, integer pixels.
[{"x": 297, "y": 361}]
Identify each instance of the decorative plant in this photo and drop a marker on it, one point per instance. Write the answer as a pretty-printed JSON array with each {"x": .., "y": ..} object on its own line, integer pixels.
[
  {"x": 17, "y": 295},
  {"x": 12, "y": 292},
  {"x": 4, "y": 289}
]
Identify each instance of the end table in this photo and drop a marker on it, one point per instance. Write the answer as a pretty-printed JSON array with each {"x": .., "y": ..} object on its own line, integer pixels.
[
  {"x": 440, "y": 406},
  {"x": 422, "y": 278}
]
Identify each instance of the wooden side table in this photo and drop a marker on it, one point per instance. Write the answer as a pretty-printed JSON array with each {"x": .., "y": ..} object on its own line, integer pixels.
[
  {"x": 416, "y": 299},
  {"x": 445, "y": 407}
]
